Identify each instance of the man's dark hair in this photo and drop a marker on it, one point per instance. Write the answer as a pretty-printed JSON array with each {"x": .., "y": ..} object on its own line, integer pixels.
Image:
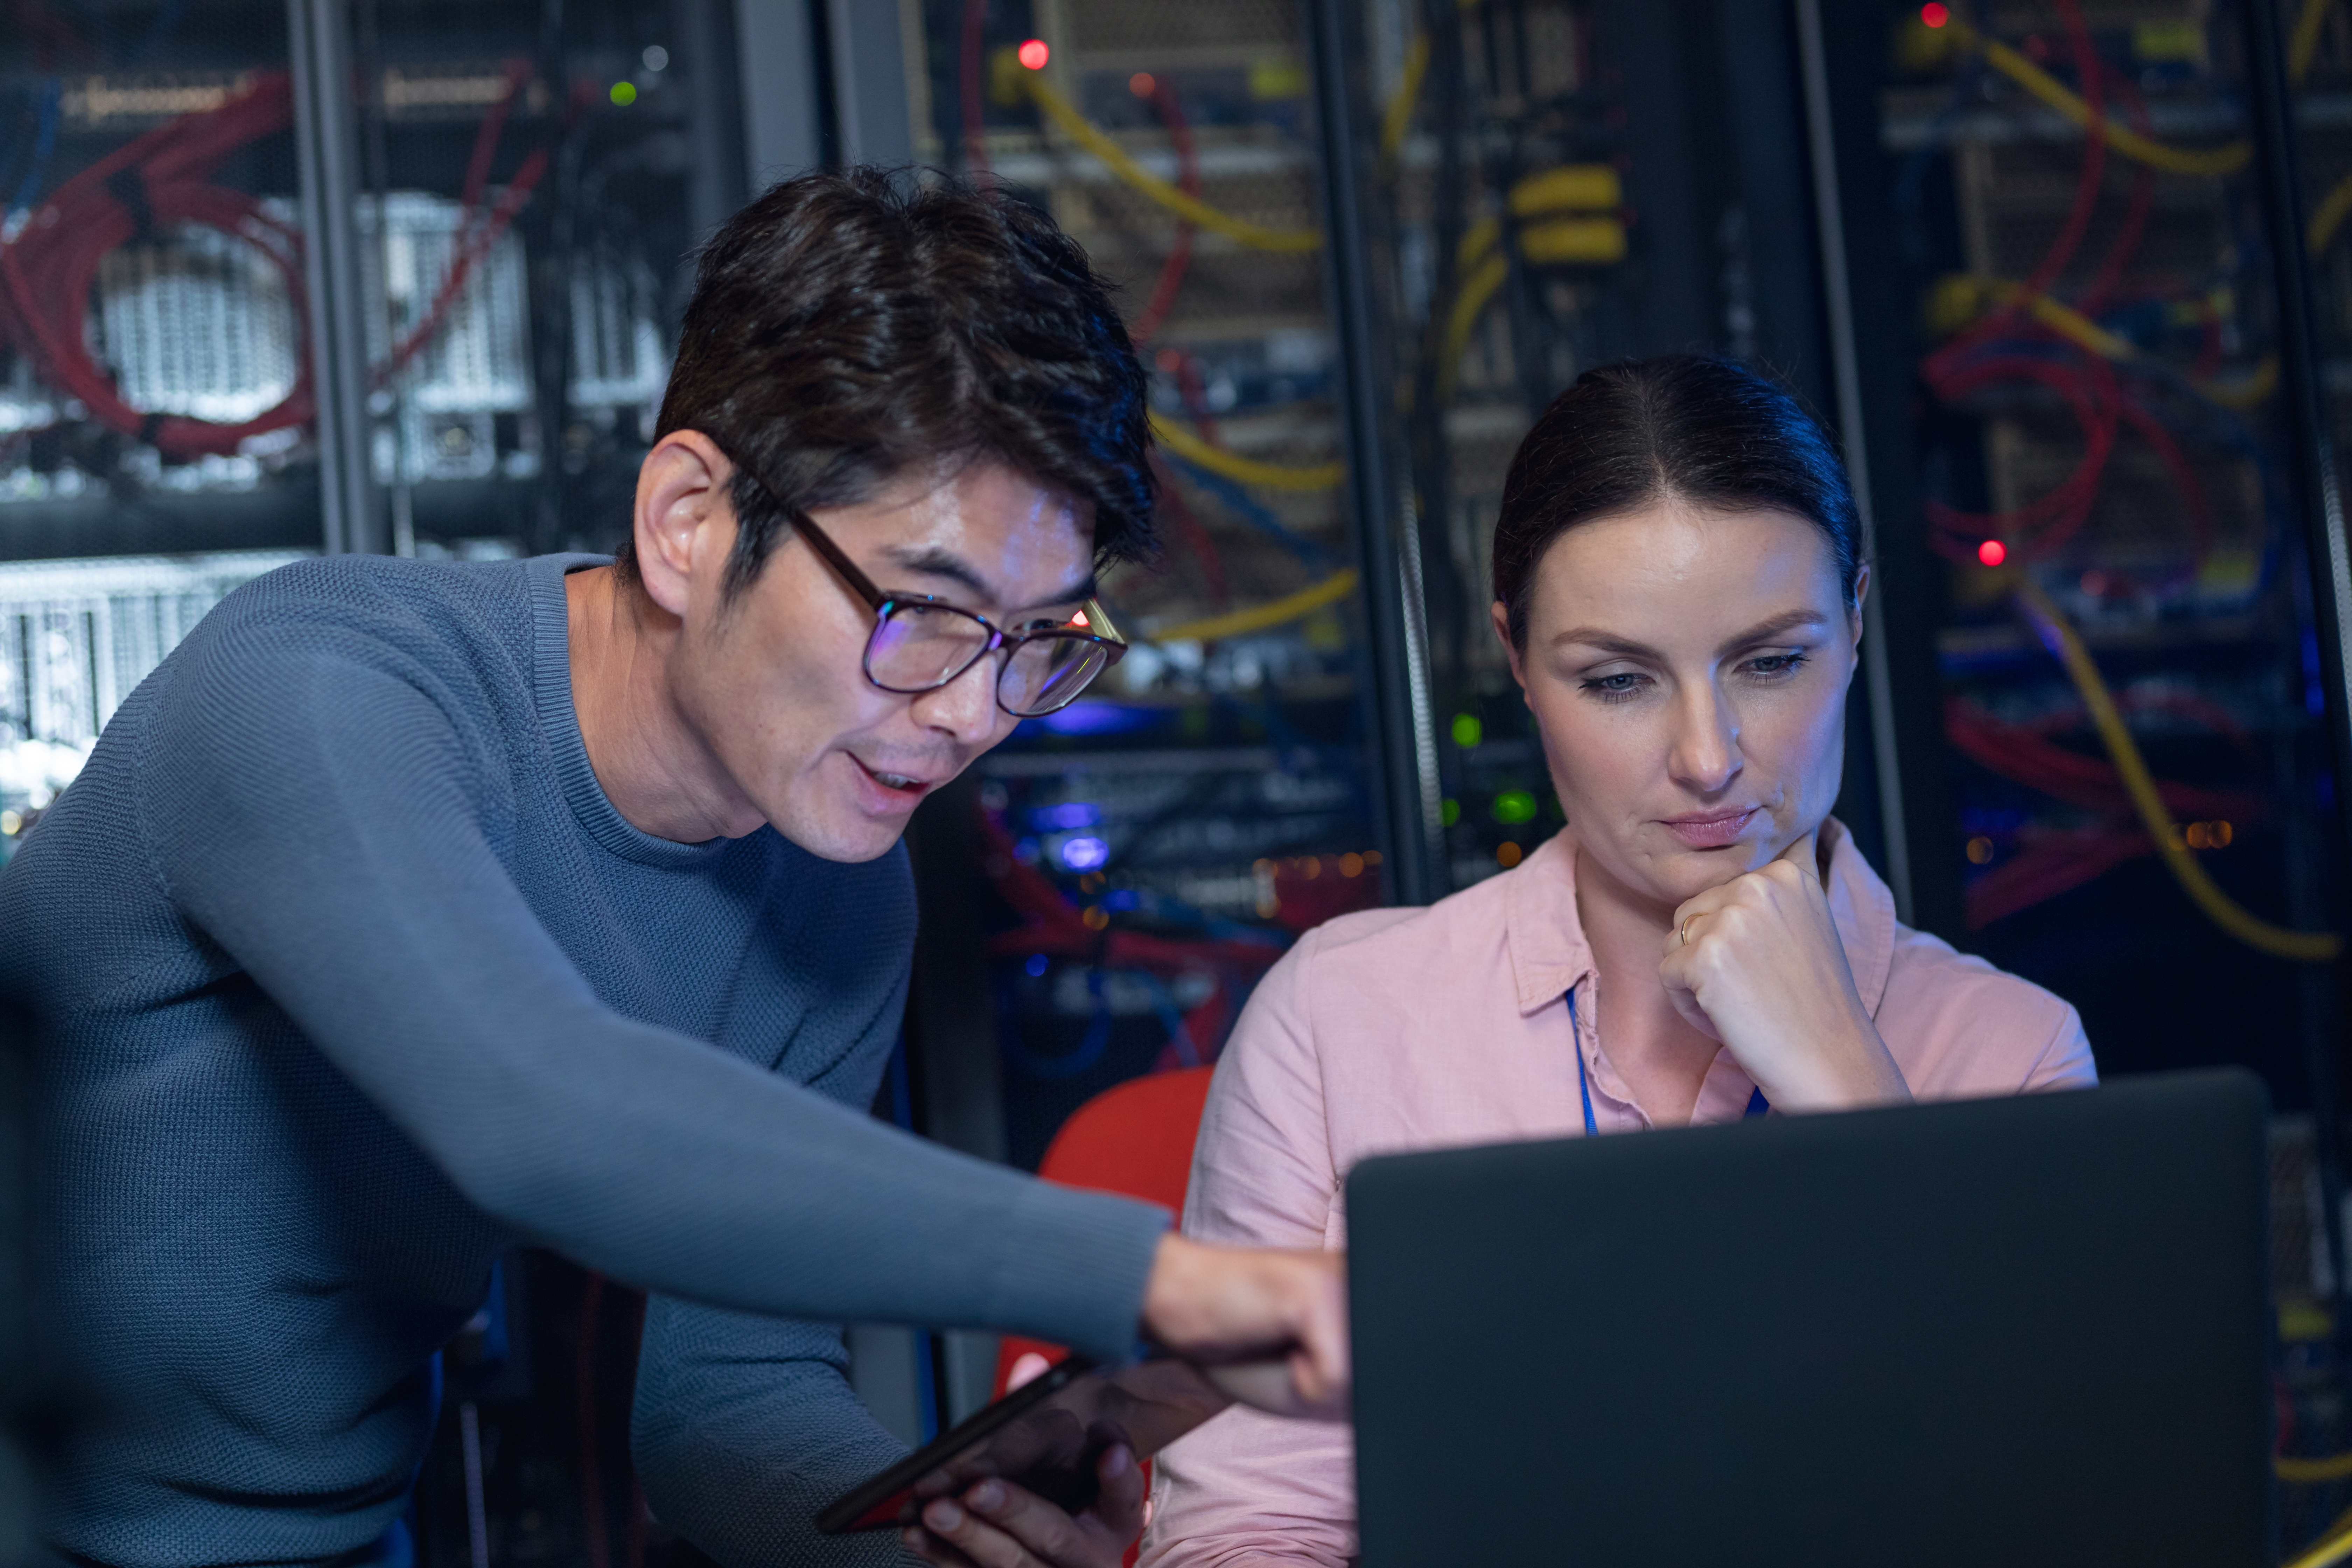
[
  {"x": 848, "y": 329},
  {"x": 1709, "y": 432}
]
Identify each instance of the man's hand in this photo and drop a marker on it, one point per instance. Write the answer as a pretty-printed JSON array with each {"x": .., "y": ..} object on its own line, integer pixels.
[
  {"x": 1756, "y": 963},
  {"x": 996, "y": 1524},
  {"x": 1269, "y": 1328}
]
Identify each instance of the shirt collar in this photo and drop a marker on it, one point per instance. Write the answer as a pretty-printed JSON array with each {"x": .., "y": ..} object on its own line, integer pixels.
[
  {"x": 1549, "y": 953},
  {"x": 1540, "y": 928}
]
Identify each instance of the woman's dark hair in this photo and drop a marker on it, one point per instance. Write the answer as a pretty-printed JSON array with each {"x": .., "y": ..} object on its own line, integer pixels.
[
  {"x": 1707, "y": 432},
  {"x": 848, "y": 329}
]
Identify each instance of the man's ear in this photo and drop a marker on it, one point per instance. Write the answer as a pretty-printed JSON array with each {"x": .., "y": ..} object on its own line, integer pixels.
[
  {"x": 1860, "y": 592},
  {"x": 685, "y": 521}
]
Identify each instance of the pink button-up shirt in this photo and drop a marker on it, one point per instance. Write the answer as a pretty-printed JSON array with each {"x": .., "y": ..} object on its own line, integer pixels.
[{"x": 1400, "y": 1029}]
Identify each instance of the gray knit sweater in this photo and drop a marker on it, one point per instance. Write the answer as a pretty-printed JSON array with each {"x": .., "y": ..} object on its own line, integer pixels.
[{"x": 349, "y": 976}]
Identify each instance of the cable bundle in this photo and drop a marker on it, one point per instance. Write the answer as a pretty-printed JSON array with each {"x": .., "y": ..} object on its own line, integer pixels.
[
  {"x": 140, "y": 189},
  {"x": 164, "y": 179}
]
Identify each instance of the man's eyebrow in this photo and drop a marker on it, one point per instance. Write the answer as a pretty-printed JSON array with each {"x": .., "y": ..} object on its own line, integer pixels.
[{"x": 933, "y": 561}]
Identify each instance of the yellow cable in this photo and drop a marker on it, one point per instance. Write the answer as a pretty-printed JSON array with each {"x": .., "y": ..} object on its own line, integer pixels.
[
  {"x": 2328, "y": 217},
  {"x": 1478, "y": 290},
  {"x": 1397, "y": 118},
  {"x": 1257, "y": 618},
  {"x": 2303, "y": 47},
  {"x": 2249, "y": 391},
  {"x": 1245, "y": 470},
  {"x": 2303, "y": 947},
  {"x": 2310, "y": 1472},
  {"x": 2223, "y": 160},
  {"x": 2333, "y": 1547},
  {"x": 1191, "y": 208}
]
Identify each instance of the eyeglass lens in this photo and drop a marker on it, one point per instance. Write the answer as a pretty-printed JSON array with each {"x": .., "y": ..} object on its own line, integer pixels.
[{"x": 919, "y": 646}]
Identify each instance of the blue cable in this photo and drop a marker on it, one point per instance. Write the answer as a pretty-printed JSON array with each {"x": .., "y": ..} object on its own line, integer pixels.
[
  {"x": 45, "y": 141},
  {"x": 1091, "y": 1044},
  {"x": 1243, "y": 505}
]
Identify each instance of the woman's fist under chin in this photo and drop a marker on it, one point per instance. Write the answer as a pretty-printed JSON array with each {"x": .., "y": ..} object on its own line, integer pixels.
[{"x": 1757, "y": 964}]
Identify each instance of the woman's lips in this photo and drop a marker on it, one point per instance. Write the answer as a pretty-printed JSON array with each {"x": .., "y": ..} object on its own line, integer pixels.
[{"x": 1712, "y": 829}]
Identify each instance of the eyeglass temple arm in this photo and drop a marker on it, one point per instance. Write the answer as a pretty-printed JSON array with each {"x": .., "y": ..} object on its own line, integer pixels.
[
  {"x": 1100, "y": 622},
  {"x": 839, "y": 559}
]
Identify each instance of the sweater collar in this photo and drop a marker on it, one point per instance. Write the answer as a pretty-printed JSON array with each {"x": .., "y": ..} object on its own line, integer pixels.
[{"x": 1549, "y": 953}]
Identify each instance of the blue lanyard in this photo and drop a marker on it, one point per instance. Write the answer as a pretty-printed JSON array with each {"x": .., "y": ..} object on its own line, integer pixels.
[{"x": 1757, "y": 1104}]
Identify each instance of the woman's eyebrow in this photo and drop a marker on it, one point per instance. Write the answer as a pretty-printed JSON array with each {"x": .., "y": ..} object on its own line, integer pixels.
[
  {"x": 1764, "y": 631},
  {"x": 1612, "y": 641},
  {"x": 1608, "y": 641}
]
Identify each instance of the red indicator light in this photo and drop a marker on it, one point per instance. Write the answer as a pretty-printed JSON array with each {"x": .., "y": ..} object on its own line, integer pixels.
[
  {"x": 1934, "y": 13},
  {"x": 1992, "y": 552},
  {"x": 1141, "y": 84},
  {"x": 1034, "y": 54}
]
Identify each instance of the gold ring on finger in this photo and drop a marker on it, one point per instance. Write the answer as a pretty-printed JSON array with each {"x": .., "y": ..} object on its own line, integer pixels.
[{"x": 1687, "y": 925}]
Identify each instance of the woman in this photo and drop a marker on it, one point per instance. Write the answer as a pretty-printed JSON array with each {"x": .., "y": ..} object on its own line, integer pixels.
[{"x": 1678, "y": 588}]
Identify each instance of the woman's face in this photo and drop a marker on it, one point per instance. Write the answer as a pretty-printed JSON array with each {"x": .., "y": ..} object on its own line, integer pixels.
[{"x": 1689, "y": 671}]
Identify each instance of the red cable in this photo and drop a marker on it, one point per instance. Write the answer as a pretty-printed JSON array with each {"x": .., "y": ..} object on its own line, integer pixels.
[
  {"x": 2041, "y": 525},
  {"x": 46, "y": 274},
  {"x": 1187, "y": 180},
  {"x": 1196, "y": 536},
  {"x": 2143, "y": 198},
  {"x": 2057, "y": 864},
  {"x": 2078, "y": 215},
  {"x": 477, "y": 245},
  {"x": 1187, "y": 368},
  {"x": 2019, "y": 754}
]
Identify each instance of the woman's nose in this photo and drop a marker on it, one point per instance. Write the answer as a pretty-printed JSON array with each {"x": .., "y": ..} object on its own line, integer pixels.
[{"x": 1705, "y": 752}]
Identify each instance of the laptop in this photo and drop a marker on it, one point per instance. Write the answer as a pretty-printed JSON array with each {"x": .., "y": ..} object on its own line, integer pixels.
[{"x": 2020, "y": 1331}]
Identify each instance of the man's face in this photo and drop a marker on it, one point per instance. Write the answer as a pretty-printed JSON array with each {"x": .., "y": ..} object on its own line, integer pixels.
[{"x": 774, "y": 684}]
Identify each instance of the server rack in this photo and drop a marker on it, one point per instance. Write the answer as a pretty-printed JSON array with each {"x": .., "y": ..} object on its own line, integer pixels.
[
  {"x": 280, "y": 277},
  {"x": 1314, "y": 720},
  {"x": 2087, "y": 337}
]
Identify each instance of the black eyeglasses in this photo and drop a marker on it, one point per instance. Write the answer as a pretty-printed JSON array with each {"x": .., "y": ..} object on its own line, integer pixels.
[{"x": 920, "y": 644}]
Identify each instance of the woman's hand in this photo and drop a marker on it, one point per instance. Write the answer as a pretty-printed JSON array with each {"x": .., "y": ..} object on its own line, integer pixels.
[
  {"x": 1757, "y": 964},
  {"x": 996, "y": 1524}
]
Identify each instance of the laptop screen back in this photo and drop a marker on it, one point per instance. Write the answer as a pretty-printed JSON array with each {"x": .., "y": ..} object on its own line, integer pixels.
[{"x": 2018, "y": 1331}]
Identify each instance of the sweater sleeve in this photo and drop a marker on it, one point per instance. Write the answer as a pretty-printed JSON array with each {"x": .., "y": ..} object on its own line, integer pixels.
[
  {"x": 1249, "y": 1489},
  {"x": 744, "y": 1427},
  {"x": 319, "y": 820}
]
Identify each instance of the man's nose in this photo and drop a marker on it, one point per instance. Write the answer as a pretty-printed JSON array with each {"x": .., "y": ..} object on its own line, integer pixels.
[{"x": 965, "y": 708}]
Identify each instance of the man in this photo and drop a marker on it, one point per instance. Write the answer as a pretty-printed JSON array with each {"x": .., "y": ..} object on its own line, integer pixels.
[{"x": 411, "y": 909}]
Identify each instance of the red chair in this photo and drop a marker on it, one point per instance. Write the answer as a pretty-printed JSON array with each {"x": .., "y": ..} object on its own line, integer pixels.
[
  {"x": 1134, "y": 1139},
  {"x": 1137, "y": 1140}
]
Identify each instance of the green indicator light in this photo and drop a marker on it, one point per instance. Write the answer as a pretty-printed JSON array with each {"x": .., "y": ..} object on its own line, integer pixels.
[
  {"x": 1513, "y": 806},
  {"x": 625, "y": 93},
  {"x": 1467, "y": 731},
  {"x": 1449, "y": 811}
]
